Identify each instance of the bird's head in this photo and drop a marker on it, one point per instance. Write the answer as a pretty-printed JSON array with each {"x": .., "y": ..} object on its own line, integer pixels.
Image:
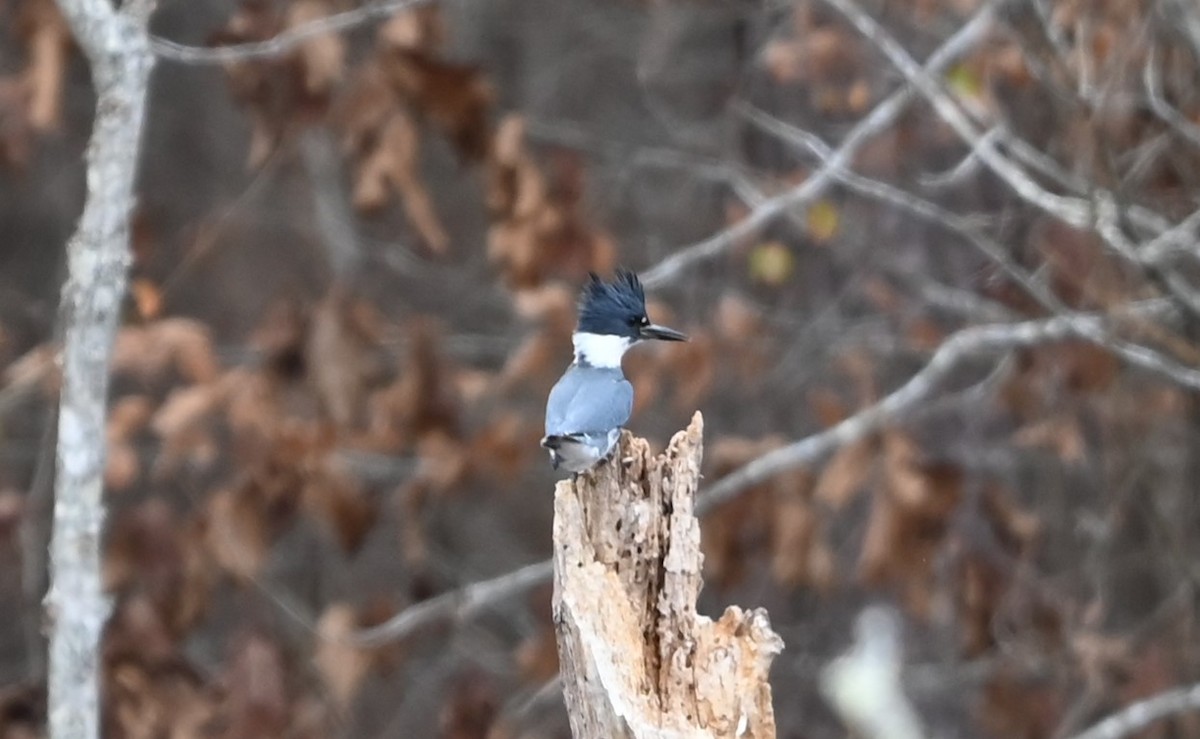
[{"x": 612, "y": 317}]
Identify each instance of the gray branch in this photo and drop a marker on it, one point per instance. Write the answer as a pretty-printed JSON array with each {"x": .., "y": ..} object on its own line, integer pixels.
[
  {"x": 98, "y": 255},
  {"x": 456, "y": 605},
  {"x": 970, "y": 343},
  {"x": 878, "y": 120},
  {"x": 1138, "y": 716},
  {"x": 284, "y": 42}
]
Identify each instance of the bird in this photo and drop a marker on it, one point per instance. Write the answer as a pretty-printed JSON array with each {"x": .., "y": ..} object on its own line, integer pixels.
[{"x": 592, "y": 401}]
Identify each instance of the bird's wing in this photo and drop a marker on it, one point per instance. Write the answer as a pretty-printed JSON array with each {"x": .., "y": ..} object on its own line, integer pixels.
[{"x": 588, "y": 400}]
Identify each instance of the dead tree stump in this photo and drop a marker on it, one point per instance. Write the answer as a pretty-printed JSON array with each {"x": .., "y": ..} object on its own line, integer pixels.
[{"x": 636, "y": 659}]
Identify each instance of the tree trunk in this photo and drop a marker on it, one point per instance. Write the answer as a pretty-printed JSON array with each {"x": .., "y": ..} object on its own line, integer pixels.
[
  {"x": 98, "y": 256},
  {"x": 636, "y": 659}
]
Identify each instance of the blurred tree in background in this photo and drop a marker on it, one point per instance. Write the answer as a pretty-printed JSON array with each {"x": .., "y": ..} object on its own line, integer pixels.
[{"x": 938, "y": 259}]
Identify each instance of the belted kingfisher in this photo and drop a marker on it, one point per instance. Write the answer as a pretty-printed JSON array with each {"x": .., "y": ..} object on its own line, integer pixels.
[{"x": 592, "y": 400}]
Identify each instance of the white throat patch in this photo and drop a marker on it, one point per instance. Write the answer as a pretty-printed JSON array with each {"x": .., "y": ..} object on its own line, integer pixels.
[{"x": 600, "y": 350}]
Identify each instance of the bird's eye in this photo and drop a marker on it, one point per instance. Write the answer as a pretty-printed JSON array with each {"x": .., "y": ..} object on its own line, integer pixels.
[{"x": 634, "y": 321}]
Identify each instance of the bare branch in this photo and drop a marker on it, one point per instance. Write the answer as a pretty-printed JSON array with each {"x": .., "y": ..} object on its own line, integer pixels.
[
  {"x": 1073, "y": 211},
  {"x": 285, "y": 41},
  {"x": 98, "y": 257},
  {"x": 1138, "y": 716},
  {"x": 456, "y": 605},
  {"x": 910, "y": 202},
  {"x": 1164, "y": 110},
  {"x": 970, "y": 343},
  {"x": 966, "y": 344},
  {"x": 879, "y": 119},
  {"x": 1102, "y": 213}
]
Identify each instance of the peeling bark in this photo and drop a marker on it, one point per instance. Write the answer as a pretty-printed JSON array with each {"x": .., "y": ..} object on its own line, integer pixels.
[{"x": 636, "y": 658}]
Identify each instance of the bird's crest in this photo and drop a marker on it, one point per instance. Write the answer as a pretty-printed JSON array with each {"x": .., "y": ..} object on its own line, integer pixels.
[{"x": 603, "y": 302}]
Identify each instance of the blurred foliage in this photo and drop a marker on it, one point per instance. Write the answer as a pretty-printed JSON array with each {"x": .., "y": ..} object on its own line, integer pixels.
[{"x": 330, "y": 376}]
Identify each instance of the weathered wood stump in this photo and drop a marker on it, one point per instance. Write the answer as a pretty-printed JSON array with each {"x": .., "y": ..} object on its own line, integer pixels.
[{"x": 636, "y": 658}]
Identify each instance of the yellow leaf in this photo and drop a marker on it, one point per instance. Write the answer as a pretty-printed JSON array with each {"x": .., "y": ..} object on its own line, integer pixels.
[
  {"x": 771, "y": 263},
  {"x": 965, "y": 81},
  {"x": 147, "y": 297},
  {"x": 822, "y": 221}
]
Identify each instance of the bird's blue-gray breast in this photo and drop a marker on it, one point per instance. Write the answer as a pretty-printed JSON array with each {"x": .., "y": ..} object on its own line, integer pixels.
[
  {"x": 589, "y": 400},
  {"x": 584, "y": 415}
]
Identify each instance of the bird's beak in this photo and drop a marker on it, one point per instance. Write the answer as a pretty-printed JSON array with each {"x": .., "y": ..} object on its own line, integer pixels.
[{"x": 662, "y": 333}]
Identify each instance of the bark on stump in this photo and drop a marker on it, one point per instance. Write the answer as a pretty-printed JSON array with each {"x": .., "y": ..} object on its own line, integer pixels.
[{"x": 636, "y": 659}]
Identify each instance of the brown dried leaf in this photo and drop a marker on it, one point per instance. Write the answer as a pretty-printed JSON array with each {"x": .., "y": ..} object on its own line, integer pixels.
[
  {"x": 343, "y": 358},
  {"x": 827, "y": 406},
  {"x": 908, "y": 521},
  {"x": 184, "y": 423},
  {"x": 12, "y": 512},
  {"x": 36, "y": 367},
  {"x": 392, "y": 164},
  {"x": 470, "y": 710},
  {"x": 846, "y": 473},
  {"x": 1018, "y": 706},
  {"x": 150, "y": 552},
  {"x": 122, "y": 467},
  {"x": 280, "y": 337},
  {"x": 22, "y": 710},
  {"x": 415, "y": 29},
  {"x": 256, "y": 702},
  {"x": 147, "y": 297},
  {"x": 537, "y": 228},
  {"x": 737, "y": 321},
  {"x": 236, "y": 533},
  {"x": 150, "y": 691},
  {"x": 16, "y": 132},
  {"x": 1015, "y": 528},
  {"x": 411, "y": 500},
  {"x": 127, "y": 417},
  {"x": 794, "y": 531},
  {"x": 178, "y": 344},
  {"x": 455, "y": 97},
  {"x": 122, "y": 464},
  {"x": 421, "y": 401},
  {"x": 537, "y": 656},
  {"x": 1101, "y": 657},
  {"x": 341, "y": 667},
  {"x": 505, "y": 446},
  {"x": 1060, "y": 434},
  {"x": 443, "y": 462},
  {"x": 48, "y": 40},
  {"x": 742, "y": 525},
  {"x": 335, "y": 499},
  {"x": 322, "y": 58},
  {"x": 253, "y": 409}
]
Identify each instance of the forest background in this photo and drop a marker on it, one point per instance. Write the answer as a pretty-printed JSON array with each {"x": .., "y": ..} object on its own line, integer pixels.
[{"x": 938, "y": 262}]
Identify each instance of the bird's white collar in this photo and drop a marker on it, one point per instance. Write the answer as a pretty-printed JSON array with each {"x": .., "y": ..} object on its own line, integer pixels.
[{"x": 600, "y": 350}]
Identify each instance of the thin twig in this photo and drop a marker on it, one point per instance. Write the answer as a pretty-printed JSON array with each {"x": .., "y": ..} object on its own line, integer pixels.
[
  {"x": 1101, "y": 212},
  {"x": 455, "y": 605},
  {"x": 1138, "y": 716},
  {"x": 1072, "y": 211},
  {"x": 909, "y": 201},
  {"x": 879, "y": 119},
  {"x": 967, "y": 344},
  {"x": 285, "y": 41}
]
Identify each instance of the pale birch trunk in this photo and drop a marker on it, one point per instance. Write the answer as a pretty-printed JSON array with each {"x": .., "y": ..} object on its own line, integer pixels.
[{"x": 118, "y": 49}]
